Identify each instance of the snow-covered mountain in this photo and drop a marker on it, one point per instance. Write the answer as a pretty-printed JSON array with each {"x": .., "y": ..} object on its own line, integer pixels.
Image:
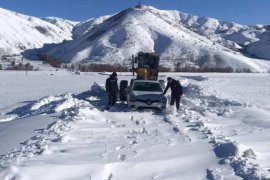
[
  {"x": 177, "y": 37},
  {"x": 85, "y": 26},
  {"x": 173, "y": 35},
  {"x": 65, "y": 25},
  {"x": 240, "y": 34},
  {"x": 20, "y": 32},
  {"x": 261, "y": 48}
]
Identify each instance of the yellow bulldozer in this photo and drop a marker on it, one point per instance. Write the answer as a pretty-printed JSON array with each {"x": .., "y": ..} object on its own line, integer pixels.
[{"x": 145, "y": 65}]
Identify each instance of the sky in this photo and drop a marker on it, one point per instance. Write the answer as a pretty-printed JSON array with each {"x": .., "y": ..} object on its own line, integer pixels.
[{"x": 240, "y": 11}]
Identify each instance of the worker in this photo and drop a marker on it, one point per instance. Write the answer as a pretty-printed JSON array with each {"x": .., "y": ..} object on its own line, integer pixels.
[
  {"x": 112, "y": 89},
  {"x": 176, "y": 91}
]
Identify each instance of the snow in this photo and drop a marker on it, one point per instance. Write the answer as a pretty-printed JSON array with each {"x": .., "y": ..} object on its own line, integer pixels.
[
  {"x": 57, "y": 122},
  {"x": 260, "y": 48},
  {"x": 65, "y": 25},
  {"x": 53, "y": 123},
  {"x": 20, "y": 32},
  {"x": 213, "y": 28},
  {"x": 114, "y": 39},
  {"x": 178, "y": 37}
]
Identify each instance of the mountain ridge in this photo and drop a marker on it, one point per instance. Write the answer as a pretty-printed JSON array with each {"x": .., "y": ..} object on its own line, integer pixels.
[
  {"x": 19, "y": 32},
  {"x": 113, "y": 39},
  {"x": 178, "y": 37}
]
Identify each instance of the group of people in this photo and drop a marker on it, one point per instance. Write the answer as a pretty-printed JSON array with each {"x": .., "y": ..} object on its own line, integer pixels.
[{"x": 174, "y": 85}]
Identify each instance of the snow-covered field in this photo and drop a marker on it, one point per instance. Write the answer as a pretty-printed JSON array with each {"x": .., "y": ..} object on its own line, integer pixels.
[{"x": 52, "y": 126}]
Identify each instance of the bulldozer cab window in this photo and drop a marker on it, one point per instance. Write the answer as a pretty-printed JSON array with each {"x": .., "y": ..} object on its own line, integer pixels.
[
  {"x": 153, "y": 62},
  {"x": 147, "y": 62},
  {"x": 141, "y": 61}
]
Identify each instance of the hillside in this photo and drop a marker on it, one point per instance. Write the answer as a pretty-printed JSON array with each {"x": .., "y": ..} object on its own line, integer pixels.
[
  {"x": 20, "y": 32},
  {"x": 213, "y": 28},
  {"x": 63, "y": 24},
  {"x": 113, "y": 39},
  {"x": 261, "y": 48}
]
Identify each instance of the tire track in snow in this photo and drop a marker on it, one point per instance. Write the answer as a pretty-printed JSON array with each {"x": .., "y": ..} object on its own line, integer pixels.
[
  {"x": 141, "y": 131},
  {"x": 176, "y": 128},
  {"x": 144, "y": 135},
  {"x": 144, "y": 132}
]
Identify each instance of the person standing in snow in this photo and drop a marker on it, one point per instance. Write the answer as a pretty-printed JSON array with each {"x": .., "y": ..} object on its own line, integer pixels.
[
  {"x": 112, "y": 89},
  {"x": 176, "y": 91}
]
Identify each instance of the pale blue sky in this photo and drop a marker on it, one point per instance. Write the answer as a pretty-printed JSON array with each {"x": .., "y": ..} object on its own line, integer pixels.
[{"x": 241, "y": 11}]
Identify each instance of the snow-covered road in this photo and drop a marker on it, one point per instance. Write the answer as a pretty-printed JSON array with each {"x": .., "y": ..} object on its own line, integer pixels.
[{"x": 215, "y": 136}]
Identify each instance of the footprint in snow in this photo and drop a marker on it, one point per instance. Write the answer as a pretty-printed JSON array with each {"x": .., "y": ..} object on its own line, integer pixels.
[
  {"x": 122, "y": 157},
  {"x": 144, "y": 131},
  {"x": 193, "y": 129},
  {"x": 110, "y": 122},
  {"x": 176, "y": 130},
  {"x": 39, "y": 130},
  {"x": 139, "y": 122},
  {"x": 132, "y": 142},
  {"x": 119, "y": 147}
]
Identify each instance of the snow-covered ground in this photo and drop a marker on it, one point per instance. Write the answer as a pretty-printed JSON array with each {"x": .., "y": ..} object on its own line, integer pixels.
[{"x": 52, "y": 126}]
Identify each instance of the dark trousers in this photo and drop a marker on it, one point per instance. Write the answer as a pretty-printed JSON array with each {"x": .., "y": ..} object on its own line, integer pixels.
[
  {"x": 112, "y": 100},
  {"x": 176, "y": 98}
]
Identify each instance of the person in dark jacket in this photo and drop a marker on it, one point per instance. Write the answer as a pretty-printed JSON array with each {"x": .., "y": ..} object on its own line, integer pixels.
[
  {"x": 176, "y": 91},
  {"x": 112, "y": 89}
]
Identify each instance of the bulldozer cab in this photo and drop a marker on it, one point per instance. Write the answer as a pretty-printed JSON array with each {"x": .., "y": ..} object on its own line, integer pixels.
[
  {"x": 147, "y": 66},
  {"x": 148, "y": 60}
]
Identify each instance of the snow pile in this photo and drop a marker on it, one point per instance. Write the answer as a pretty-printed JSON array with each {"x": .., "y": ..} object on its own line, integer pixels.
[
  {"x": 37, "y": 145},
  {"x": 230, "y": 149},
  {"x": 20, "y": 32},
  {"x": 113, "y": 39},
  {"x": 44, "y": 101},
  {"x": 65, "y": 104},
  {"x": 47, "y": 105}
]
